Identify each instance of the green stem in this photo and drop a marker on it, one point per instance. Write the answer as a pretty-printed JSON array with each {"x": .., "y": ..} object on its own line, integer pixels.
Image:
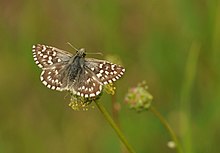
[
  {"x": 115, "y": 109},
  {"x": 167, "y": 126},
  {"x": 114, "y": 126},
  {"x": 185, "y": 97}
]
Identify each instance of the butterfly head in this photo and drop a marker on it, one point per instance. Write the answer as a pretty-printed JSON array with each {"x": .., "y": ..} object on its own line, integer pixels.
[{"x": 81, "y": 52}]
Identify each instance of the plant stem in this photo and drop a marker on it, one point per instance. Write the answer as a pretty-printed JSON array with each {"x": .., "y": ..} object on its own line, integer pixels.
[
  {"x": 115, "y": 110},
  {"x": 167, "y": 126},
  {"x": 185, "y": 97},
  {"x": 114, "y": 126}
]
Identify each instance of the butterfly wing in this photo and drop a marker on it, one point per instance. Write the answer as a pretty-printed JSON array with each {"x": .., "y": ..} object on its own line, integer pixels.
[
  {"x": 52, "y": 61},
  {"x": 94, "y": 75},
  {"x": 104, "y": 71},
  {"x": 86, "y": 85},
  {"x": 45, "y": 56}
]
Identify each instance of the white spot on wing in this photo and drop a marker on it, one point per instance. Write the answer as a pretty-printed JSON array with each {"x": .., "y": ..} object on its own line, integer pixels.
[
  {"x": 41, "y": 66},
  {"x": 54, "y": 53},
  {"x": 100, "y": 66},
  {"x": 113, "y": 66},
  {"x": 98, "y": 92},
  {"x": 99, "y": 75},
  {"x": 88, "y": 80},
  {"x": 44, "y": 82},
  {"x": 56, "y": 72},
  {"x": 92, "y": 95},
  {"x": 48, "y": 77},
  {"x": 44, "y": 48},
  {"x": 42, "y": 73}
]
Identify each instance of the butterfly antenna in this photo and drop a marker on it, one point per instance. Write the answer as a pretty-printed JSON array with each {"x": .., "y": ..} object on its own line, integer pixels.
[
  {"x": 98, "y": 53},
  {"x": 72, "y": 46}
]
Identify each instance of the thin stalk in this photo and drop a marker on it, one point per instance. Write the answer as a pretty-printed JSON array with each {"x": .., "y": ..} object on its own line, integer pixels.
[
  {"x": 115, "y": 116},
  {"x": 168, "y": 127},
  {"x": 185, "y": 97},
  {"x": 115, "y": 109},
  {"x": 114, "y": 126}
]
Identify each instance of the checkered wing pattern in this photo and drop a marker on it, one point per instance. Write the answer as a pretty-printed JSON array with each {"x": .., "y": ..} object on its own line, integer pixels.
[
  {"x": 96, "y": 73},
  {"x": 75, "y": 73},
  {"x": 88, "y": 85},
  {"x": 52, "y": 61},
  {"x": 45, "y": 56},
  {"x": 104, "y": 71}
]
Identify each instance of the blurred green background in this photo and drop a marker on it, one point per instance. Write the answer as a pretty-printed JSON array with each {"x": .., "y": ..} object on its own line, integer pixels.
[{"x": 174, "y": 45}]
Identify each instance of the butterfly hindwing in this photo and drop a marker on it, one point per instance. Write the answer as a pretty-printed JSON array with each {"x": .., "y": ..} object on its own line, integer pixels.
[
  {"x": 87, "y": 85},
  {"x": 52, "y": 78}
]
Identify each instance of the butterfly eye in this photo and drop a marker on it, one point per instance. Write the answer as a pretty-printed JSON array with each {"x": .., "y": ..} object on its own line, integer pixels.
[
  {"x": 84, "y": 54},
  {"x": 81, "y": 52}
]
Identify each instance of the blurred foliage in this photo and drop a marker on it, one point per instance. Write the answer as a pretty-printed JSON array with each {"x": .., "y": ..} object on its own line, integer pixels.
[{"x": 154, "y": 40}]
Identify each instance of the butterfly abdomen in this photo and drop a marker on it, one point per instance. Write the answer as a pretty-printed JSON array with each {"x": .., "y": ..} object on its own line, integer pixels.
[{"x": 75, "y": 68}]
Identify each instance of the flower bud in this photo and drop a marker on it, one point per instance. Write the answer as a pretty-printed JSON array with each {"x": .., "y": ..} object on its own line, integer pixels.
[{"x": 138, "y": 98}]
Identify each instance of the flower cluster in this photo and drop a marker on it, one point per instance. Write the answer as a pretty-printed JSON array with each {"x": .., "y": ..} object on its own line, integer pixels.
[
  {"x": 138, "y": 98},
  {"x": 82, "y": 103}
]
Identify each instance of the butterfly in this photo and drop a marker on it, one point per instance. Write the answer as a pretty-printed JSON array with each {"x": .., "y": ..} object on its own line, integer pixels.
[{"x": 82, "y": 76}]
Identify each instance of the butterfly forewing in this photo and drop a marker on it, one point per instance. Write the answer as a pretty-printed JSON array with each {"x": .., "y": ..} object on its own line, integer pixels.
[
  {"x": 45, "y": 56},
  {"x": 52, "y": 61},
  {"x": 105, "y": 71}
]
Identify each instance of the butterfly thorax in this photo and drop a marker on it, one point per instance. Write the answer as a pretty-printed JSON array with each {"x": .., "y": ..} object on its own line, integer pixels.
[{"x": 76, "y": 65}]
